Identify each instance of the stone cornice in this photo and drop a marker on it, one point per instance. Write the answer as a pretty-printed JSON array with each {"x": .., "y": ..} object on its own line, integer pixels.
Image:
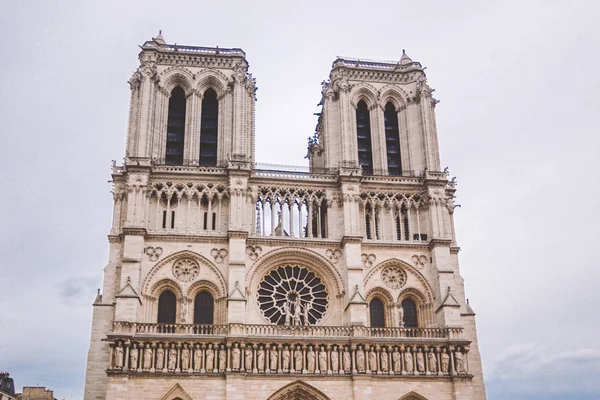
[
  {"x": 275, "y": 241},
  {"x": 433, "y": 243},
  {"x": 351, "y": 240},
  {"x": 237, "y": 235},
  {"x": 134, "y": 231},
  {"x": 366, "y": 245},
  {"x": 154, "y": 237}
]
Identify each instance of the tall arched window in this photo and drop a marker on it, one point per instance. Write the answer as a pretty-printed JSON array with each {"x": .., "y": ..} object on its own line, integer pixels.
[
  {"x": 204, "y": 308},
  {"x": 167, "y": 307},
  {"x": 209, "y": 129},
  {"x": 377, "y": 313},
  {"x": 392, "y": 140},
  {"x": 176, "y": 128},
  {"x": 410, "y": 313},
  {"x": 363, "y": 136}
]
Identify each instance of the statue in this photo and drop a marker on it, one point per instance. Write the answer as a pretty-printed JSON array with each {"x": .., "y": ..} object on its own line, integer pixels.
[
  {"x": 297, "y": 312},
  {"x": 408, "y": 361},
  {"x": 305, "y": 311},
  {"x": 335, "y": 362},
  {"x": 432, "y": 361},
  {"x": 235, "y": 357},
  {"x": 119, "y": 357},
  {"x": 322, "y": 359},
  {"x": 273, "y": 355},
  {"x": 261, "y": 359},
  {"x": 248, "y": 356},
  {"x": 197, "y": 358},
  {"x": 133, "y": 354},
  {"x": 346, "y": 360},
  {"x": 310, "y": 358},
  {"x": 147, "y": 357},
  {"x": 222, "y": 359},
  {"x": 396, "y": 357},
  {"x": 420, "y": 361},
  {"x": 401, "y": 316},
  {"x": 172, "y": 358},
  {"x": 384, "y": 360},
  {"x": 360, "y": 360},
  {"x": 210, "y": 358},
  {"x": 288, "y": 312},
  {"x": 160, "y": 357},
  {"x": 372, "y": 360},
  {"x": 445, "y": 362},
  {"x": 185, "y": 358},
  {"x": 285, "y": 359},
  {"x": 460, "y": 362},
  {"x": 298, "y": 359}
]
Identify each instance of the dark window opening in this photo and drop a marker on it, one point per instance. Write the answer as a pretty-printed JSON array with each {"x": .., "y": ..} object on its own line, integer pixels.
[
  {"x": 410, "y": 313},
  {"x": 164, "y": 224},
  {"x": 175, "y": 128},
  {"x": 368, "y": 222},
  {"x": 205, "y": 225},
  {"x": 377, "y": 313},
  {"x": 172, "y": 219},
  {"x": 404, "y": 213},
  {"x": 363, "y": 135},
  {"x": 398, "y": 228},
  {"x": 209, "y": 129},
  {"x": 420, "y": 236},
  {"x": 167, "y": 306},
  {"x": 214, "y": 221},
  {"x": 204, "y": 308},
  {"x": 392, "y": 140}
]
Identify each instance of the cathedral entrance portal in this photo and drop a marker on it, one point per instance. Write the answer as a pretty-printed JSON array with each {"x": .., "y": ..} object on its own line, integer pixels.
[{"x": 298, "y": 391}]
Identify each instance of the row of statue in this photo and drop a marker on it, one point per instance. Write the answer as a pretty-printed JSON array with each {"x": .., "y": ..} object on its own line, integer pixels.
[{"x": 258, "y": 358}]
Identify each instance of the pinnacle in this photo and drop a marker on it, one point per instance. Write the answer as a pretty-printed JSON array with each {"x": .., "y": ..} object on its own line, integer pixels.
[
  {"x": 404, "y": 60},
  {"x": 159, "y": 39}
]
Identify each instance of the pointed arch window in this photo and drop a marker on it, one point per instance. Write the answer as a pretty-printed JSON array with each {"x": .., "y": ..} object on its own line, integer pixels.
[
  {"x": 209, "y": 129},
  {"x": 363, "y": 136},
  {"x": 176, "y": 127},
  {"x": 167, "y": 307},
  {"x": 204, "y": 308},
  {"x": 410, "y": 313},
  {"x": 377, "y": 313},
  {"x": 392, "y": 140}
]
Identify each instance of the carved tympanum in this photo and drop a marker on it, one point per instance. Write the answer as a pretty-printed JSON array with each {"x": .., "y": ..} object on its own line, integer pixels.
[{"x": 186, "y": 269}]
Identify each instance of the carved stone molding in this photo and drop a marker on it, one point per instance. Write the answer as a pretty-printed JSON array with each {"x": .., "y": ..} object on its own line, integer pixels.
[
  {"x": 368, "y": 259},
  {"x": 419, "y": 260},
  {"x": 393, "y": 277},
  {"x": 219, "y": 255},
  {"x": 153, "y": 253},
  {"x": 253, "y": 252},
  {"x": 333, "y": 255},
  {"x": 186, "y": 269}
]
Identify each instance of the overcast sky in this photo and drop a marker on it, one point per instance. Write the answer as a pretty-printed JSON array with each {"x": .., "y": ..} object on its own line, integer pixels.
[{"x": 519, "y": 86}]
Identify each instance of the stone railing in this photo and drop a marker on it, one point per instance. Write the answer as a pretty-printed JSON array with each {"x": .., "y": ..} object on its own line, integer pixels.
[
  {"x": 134, "y": 328},
  {"x": 286, "y": 357}
]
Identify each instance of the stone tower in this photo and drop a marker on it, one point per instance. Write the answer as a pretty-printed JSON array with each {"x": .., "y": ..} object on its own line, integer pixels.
[{"x": 228, "y": 281}]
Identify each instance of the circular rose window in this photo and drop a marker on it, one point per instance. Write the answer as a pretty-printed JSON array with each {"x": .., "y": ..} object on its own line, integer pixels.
[{"x": 292, "y": 295}]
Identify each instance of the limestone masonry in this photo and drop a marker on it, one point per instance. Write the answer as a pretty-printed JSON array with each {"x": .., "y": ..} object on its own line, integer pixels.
[{"x": 228, "y": 280}]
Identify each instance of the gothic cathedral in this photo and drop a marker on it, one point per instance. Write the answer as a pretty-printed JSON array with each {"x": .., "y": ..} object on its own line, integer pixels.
[{"x": 230, "y": 281}]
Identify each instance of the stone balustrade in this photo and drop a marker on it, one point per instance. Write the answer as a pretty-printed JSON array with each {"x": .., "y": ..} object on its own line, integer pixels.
[
  {"x": 203, "y": 356},
  {"x": 134, "y": 328}
]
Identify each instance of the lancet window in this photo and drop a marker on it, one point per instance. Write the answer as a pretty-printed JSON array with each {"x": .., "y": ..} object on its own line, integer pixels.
[
  {"x": 392, "y": 140},
  {"x": 291, "y": 212},
  {"x": 209, "y": 129},
  {"x": 394, "y": 217},
  {"x": 204, "y": 307},
  {"x": 176, "y": 127},
  {"x": 377, "y": 313},
  {"x": 363, "y": 136},
  {"x": 167, "y": 308},
  {"x": 409, "y": 313}
]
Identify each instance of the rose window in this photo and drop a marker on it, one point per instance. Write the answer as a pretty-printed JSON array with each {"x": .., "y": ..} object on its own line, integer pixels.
[
  {"x": 393, "y": 277},
  {"x": 186, "y": 269},
  {"x": 292, "y": 295}
]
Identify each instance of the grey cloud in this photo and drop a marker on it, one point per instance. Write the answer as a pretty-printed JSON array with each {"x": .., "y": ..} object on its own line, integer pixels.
[{"x": 77, "y": 289}]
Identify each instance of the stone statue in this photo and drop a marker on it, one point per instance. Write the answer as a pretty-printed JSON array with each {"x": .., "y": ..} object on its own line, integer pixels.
[
  {"x": 288, "y": 312},
  {"x": 248, "y": 360},
  {"x": 298, "y": 359},
  {"x": 445, "y": 362},
  {"x": 396, "y": 359},
  {"x": 160, "y": 357},
  {"x": 322, "y": 360},
  {"x": 384, "y": 360},
  {"x": 408, "y": 361},
  {"x": 460, "y": 362},
  {"x": 133, "y": 356},
  {"x": 118, "y": 357},
  {"x": 335, "y": 361},
  {"x": 235, "y": 357},
  {"x": 273, "y": 355},
  {"x": 222, "y": 359},
  {"x": 297, "y": 312},
  {"x": 172, "y": 358},
  {"x": 401, "y": 316},
  {"x": 372, "y": 360},
  {"x": 260, "y": 359},
  {"x": 185, "y": 358},
  {"x": 310, "y": 359},
  {"x": 432, "y": 361},
  {"x": 305, "y": 311},
  {"x": 346, "y": 360},
  {"x": 147, "y": 357},
  {"x": 197, "y": 358},
  {"x": 420, "y": 361},
  {"x": 210, "y": 359},
  {"x": 285, "y": 359},
  {"x": 360, "y": 359}
]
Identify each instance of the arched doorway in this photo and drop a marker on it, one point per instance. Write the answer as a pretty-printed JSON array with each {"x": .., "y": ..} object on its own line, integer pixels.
[{"x": 298, "y": 391}]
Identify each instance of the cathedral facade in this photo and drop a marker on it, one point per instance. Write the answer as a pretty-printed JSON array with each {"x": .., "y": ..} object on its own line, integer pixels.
[{"x": 230, "y": 281}]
